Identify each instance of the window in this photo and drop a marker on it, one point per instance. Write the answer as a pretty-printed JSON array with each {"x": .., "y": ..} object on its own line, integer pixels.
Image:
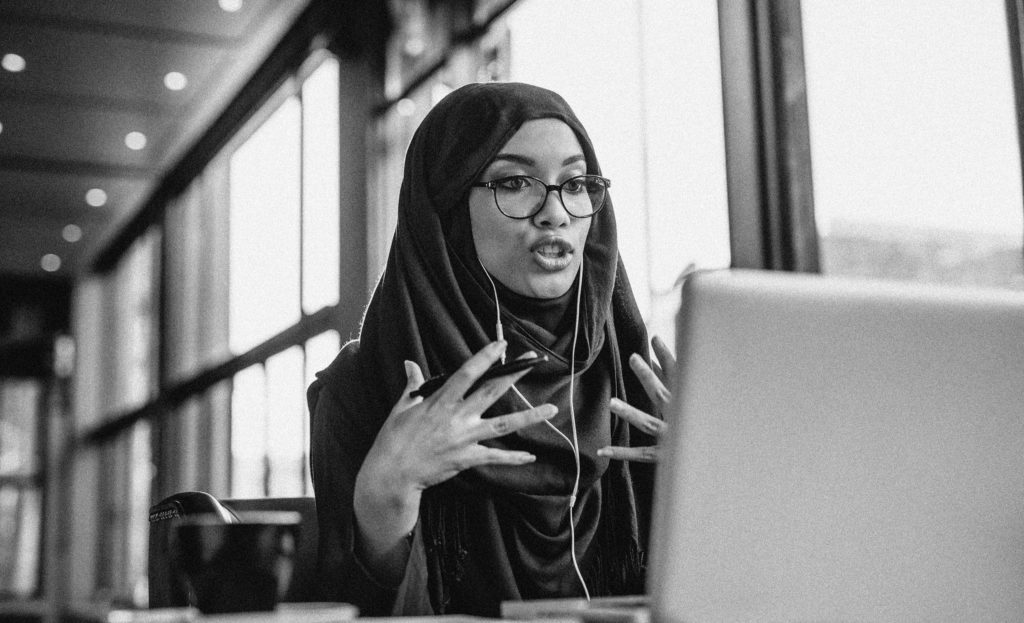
[
  {"x": 284, "y": 262},
  {"x": 652, "y": 104},
  {"x": 125, "y": 380},
  {"x": 249, "y": 258},
  {"x": 913, "y": 139}
]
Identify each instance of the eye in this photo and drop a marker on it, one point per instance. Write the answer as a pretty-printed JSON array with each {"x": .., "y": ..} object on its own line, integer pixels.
[
  {"x": 575, "y": 185},
  {"x": 513, "y": 183}
]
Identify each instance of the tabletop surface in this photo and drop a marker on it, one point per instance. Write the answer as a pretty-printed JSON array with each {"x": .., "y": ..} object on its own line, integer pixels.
[{"x": 604, "y": 610}]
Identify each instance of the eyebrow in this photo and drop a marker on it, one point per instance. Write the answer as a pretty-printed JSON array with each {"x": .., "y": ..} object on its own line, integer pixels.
[{"x": 530, "y": 162}]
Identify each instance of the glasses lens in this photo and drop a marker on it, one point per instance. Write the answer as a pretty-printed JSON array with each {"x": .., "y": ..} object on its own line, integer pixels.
[
  {"x": 520, "y": 196},
  {"x": 583, "y": 195}
]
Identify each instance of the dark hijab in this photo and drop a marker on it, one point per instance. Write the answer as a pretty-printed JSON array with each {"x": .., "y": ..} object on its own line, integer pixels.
[{"x": 498, "y": 529}]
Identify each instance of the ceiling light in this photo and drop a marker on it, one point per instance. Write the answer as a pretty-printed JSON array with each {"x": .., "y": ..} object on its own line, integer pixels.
[
  {"x": 50, "y": 263},
  {"x": 72, "y": 233},
  {"x": 13, "y": 63},
  {"x": 135, "y": 140},
  {"x": 96, "y": 197},
  {"x": 405, "y": 107},
  {"x": 230, "y": 5},
  {"x": 414, "y": 47},
  {"x": 175, "y": 81}
]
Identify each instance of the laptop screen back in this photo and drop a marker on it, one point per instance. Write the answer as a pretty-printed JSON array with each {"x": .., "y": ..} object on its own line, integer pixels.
[{"x": 842, "y": 450}]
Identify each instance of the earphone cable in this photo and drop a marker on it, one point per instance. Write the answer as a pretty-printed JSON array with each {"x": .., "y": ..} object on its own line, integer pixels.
[{"x": 574, "y": 442}]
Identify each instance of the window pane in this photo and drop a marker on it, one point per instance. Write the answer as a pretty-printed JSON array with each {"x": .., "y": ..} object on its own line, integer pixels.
[
  {"x": 320, "y": 153},
  {"x": 20, "y": 522},
  {"x": 195, "y": 298},
  {"x": 264, "y": 264},
  {"x": 652, "y": 104},
  {"x": 139, "y": 498},
  {"x": 134, "y": 321},
  {"x": 914, "y": 140},
  {"x": 248, "y": 433},
  {"x": 19, "y": 418},
  {"x": 286, "y": 422},
  {"x": 217, "y": 462}
]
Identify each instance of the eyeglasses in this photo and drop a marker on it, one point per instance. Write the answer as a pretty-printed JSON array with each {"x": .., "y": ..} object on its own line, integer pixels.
[{"x": 523, "y": 196}]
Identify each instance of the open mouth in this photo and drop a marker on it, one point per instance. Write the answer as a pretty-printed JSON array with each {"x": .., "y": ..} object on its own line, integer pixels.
[{"x": 552, "y": 253}]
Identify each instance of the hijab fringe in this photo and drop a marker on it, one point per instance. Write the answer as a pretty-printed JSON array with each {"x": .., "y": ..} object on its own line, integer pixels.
[{"x": 445, "y": 544}]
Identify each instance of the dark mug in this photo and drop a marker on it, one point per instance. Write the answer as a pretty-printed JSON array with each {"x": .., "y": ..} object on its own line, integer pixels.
[{"x": 242, "y": 566}]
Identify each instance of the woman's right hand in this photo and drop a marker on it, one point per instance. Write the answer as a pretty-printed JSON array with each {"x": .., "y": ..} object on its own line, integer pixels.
[{"x": 424, "y": 442}]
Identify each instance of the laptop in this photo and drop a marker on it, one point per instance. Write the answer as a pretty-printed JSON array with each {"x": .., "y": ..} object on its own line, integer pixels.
[{"x": 842, "y": 450}]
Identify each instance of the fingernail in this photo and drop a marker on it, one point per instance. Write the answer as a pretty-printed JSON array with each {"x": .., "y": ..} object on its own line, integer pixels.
[
  {"x": 529, "y": 458},
  {"x": 499, "y": 345},
  {"x": 615, "y": 403},
  {"x": 603, "y": 452},
  {"x": 408, "y": 368},
  {"x": 552, "y": 410}
]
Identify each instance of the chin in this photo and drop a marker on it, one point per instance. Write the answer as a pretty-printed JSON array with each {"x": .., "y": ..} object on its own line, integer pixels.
[{"x": 548, "y": 288}]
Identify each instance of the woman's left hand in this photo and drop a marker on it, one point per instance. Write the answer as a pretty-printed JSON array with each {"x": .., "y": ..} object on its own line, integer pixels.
[{"x": 655, "y": 382}]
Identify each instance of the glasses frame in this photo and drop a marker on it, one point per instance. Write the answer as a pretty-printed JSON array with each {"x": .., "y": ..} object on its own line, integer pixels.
[{"x": 493, "y": 185}]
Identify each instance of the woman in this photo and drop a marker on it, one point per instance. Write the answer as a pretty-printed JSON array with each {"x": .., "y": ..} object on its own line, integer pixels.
[{"x": 456, "y": 502}]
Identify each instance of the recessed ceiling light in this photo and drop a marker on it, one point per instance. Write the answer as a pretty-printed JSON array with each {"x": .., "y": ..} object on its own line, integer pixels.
[
  {"x": 175, "y": 81},
  {"x": 230, "y": 5},
  {"x": 414, "y": 46},
  {"x": 135, "y": 140},
  {"x": 405, "y": 107},
  {"x": 96, "y": 197},
  {"x": 13, "y": 63},
  {"x": 72, "y": 233},
  {"x": 50, "y": 263}
]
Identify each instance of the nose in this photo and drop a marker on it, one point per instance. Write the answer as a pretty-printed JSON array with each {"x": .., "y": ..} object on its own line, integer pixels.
[{"x": 552, "y": 212}]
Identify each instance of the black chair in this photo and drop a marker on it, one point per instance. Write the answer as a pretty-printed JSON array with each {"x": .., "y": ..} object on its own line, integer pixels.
[{"x": 166, "y": 592}]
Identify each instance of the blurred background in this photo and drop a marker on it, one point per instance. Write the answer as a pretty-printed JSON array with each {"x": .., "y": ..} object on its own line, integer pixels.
[{"x": 197, "y": 197}]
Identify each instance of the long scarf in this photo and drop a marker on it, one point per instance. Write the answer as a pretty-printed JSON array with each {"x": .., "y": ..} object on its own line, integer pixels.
[{"x": 433, "y": 306}]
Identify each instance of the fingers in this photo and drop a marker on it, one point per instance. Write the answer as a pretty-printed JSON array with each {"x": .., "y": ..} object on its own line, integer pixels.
[
  {"x": 414, "y": 378},
  {"x": 469, "y": 372},
  {"x": 655, "y": 389},
  {"x": 642, "y": 454},
  {"x": 665, "y": 359},
  {"x": 477, "y": 455},
  {"x": 511, "y": 422},
  {"x": 645, "y": 422}
]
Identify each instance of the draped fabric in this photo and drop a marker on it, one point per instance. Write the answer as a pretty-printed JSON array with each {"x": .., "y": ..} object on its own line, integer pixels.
[{"x": 497, "y": 532}]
